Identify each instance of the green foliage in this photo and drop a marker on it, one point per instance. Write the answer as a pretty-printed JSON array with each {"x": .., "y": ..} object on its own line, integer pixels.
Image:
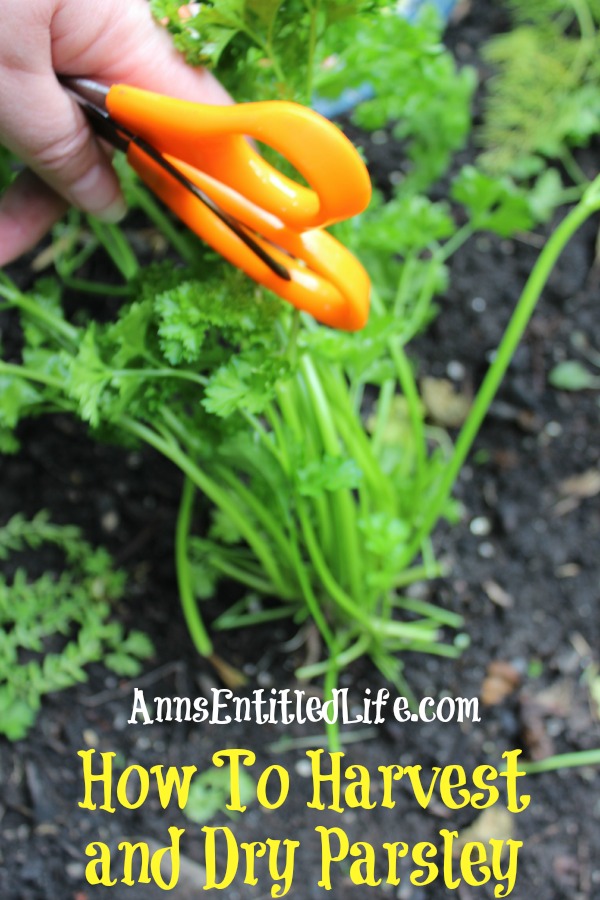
[
  {"x": 547, "y": 14},
  {"x": 53, "y": 626},
  {"x": 416, "y": 84},
  {"x": 260, "y": 46},
  {"x": 544, "y": 98},
  {"x": 269, "y": 49},
  {"x": 210, "y": 791},
  {"x": 493, "y": 204},
  {"x": 311, "y": 446},
  {"x": 572, "y": 375}
]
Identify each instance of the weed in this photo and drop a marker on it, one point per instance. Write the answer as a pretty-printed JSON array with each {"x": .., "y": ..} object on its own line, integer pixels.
[{"x": 53, "y": 626}]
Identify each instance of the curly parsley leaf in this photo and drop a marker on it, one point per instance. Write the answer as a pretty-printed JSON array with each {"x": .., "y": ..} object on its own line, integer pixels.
[
  {"x": 415, "y": 85},
  {"x": 245, "y": 383},
  {"x": 259, "y": 46},
  {"x": 17, "y": 399},
  {"x": 227, "y": 305},
  {"x": 328, "y": 474},
  {"x": 493, "y": 204}
]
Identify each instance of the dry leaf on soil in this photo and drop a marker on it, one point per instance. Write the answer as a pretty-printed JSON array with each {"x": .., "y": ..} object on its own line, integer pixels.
[{"x": 445, "y": 406}]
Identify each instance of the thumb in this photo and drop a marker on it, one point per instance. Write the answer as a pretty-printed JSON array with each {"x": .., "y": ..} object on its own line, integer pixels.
[{"x": 44, "y": 127}]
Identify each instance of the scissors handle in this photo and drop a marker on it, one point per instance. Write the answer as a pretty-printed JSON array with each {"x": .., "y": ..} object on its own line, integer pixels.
[
  {"x": 325, "y": 279},
  {"x": 213, "y": 140}
]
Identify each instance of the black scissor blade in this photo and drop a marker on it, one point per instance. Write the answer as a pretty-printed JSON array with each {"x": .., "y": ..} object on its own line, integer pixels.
[
  {"x": 238, "y": 228},
  {"x": 91, "y": 96}
]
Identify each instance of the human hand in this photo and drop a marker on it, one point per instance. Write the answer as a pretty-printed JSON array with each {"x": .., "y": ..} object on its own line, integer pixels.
[{"x": 110, "y": 41}]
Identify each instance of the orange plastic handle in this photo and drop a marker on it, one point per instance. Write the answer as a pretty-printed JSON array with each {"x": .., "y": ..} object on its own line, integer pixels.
[
  {"x": 326, "y": 280},
  {"x": 212, "y": 139}
]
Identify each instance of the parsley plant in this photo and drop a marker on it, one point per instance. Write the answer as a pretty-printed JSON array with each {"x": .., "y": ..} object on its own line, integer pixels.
[{"x": 311, "y": 446}]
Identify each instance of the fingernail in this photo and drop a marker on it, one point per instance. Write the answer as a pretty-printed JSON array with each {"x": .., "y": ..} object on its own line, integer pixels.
[
  {"x": 97, "y": 193},
  {"x": 114, "y": 213}
]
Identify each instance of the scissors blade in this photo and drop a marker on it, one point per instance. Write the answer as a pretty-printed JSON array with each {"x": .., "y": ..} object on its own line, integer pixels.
[{"x": 91, "y": 96}]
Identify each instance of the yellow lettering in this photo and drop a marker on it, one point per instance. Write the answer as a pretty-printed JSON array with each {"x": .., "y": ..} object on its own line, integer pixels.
[
  {"x": 123, "y": 782},
  {"x": 284, "y": 787},
  {"x": 510, "y": 875},
  {"x": 414, "y": 774},
  {"x": 448, "y": 838},
  {"x": 358, "y": 794},
  {"x": 390, "y": 774},
  {"x": 105, "y": 777},
  {"x": 423, "y": 851},
  {"x": 474, "y": 854},
  {"x": 362, "y": 871},
  {"x": 449, "y": 784},
  {"x": 159, "y": 855},
  {"x": 481, "y": 776},
  {"x": 395, "y": 851},
  {"x": 511, "y": 775},
  {"x": 253, "y": 850},
  {"x": 97, "y": 871},
  {"x": 276, "y": 874},
  {"x": 210, "y": 857},
  {"x": 318, "y": 779},
  {"x": 173, "y": 779},
  {"x": 327, "y": 856},
  {"x": 129, "y": 851},
  {"x": 248, "y": 758}
]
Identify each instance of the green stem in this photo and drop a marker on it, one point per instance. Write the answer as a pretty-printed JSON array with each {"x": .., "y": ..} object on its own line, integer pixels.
[
  {"x": 423, "y": 608},
  {"x": 589, "y": 204},
  {"x": 243, "y": 572},
  {"x": 181, "y": 243},
  {"x": 291, "y": 350},
  {"x": 587, "y": 44},
  {"x": 337, "y": 593},
  {"x": 245, "y": 620},
  {"x": 312, "y": 603},
  {"x": 270, "y": 523},
  {"x": 189, "y": 604},
  {"x": 342, "y": 500},
  {"x": 382, "y": 414},
  {"x": 182, "y": 374},
  {"x": 403, "y": 291},
  {"x": 352, "y": 432},
  {"x": 573, "y": 168},
  {"x": 563, "y": 761},
  {"x": 332, "y": 729},
  {"x": 457, "y": 240},
  {"x": 266, "y": 438},
  {"x": 65, "y": 265},
  {"x": 112, "y": 239},
  {"x": 29, "y": 306},
  {"x": 341, "y": 661},
  {"x": 291, "y": 399},
  {"x": 95, "y": 287},
  {"x": 415, "y": 408},
  {"x": 418, "y": 573},
  {"x": 312, "y": 45},
  {"x": 30, "y": 374},
  {"x": 213, "y": 491},
  {"x": 359, "y": 449}
]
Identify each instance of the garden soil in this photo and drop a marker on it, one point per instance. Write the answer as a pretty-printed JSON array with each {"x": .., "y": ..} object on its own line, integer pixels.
[{"x": 524, "y": 566}]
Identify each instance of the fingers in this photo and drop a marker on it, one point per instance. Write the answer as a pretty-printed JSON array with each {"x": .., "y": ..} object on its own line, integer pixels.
[
  {"x": 133, "y": 49},
  {"x": 46, "y": 129},
  {"x": 27, "y": 210},
  {"x": 39, "y": 121}
]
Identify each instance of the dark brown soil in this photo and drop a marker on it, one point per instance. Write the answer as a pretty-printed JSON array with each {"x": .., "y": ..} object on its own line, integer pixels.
[{"x": 519, "y": 534}]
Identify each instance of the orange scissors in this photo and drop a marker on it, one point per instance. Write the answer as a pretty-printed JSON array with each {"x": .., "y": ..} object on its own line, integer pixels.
[{"x": 197, "y": 159}]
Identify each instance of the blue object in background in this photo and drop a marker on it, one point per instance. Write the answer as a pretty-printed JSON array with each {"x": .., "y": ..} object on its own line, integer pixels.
[
  {"x": 331, "y": 108},
  {"x": 410, "y": 9},
  {"x": 345, "y": 103}
]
